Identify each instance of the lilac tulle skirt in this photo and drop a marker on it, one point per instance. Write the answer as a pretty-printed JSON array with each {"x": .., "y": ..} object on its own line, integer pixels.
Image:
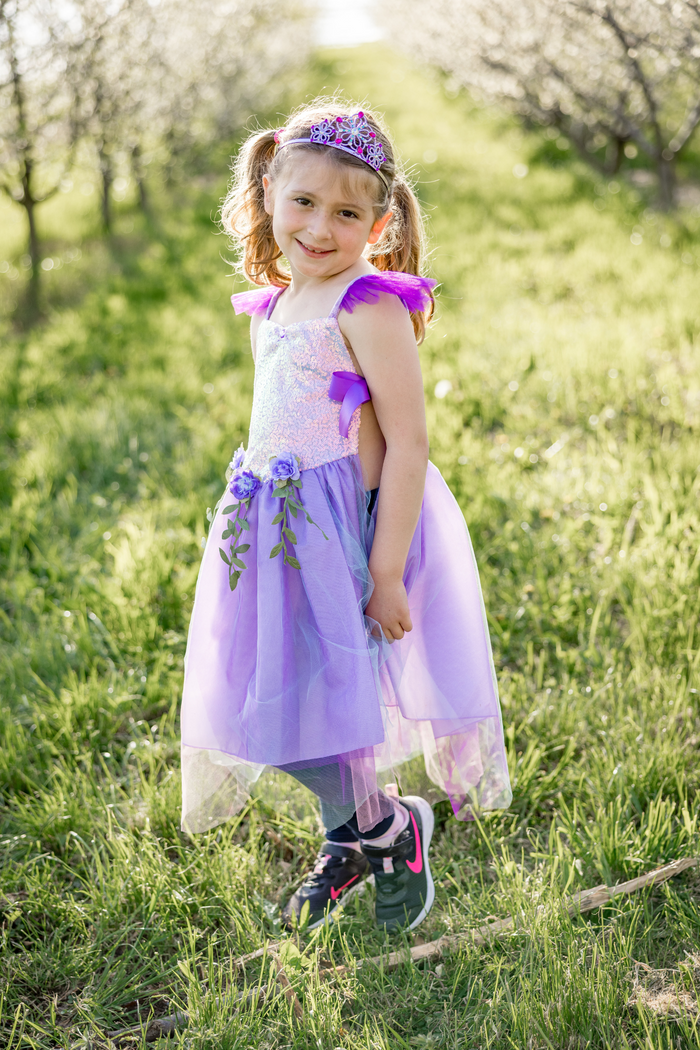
[{"x": 286, "y": 670}]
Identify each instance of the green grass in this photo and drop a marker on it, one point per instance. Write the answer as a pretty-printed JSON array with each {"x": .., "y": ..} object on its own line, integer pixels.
[{"x": 580, "y": 486}]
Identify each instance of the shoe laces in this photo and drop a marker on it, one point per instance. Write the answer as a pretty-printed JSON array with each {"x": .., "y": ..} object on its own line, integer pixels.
[
  {"x": 321, "y": 863},
  {"x": 322, "y": 869}
]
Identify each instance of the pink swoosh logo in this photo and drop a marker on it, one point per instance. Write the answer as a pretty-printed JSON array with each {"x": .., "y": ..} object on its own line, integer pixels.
[
  {"x": 336, "y": 893},
  {"x": 416, "y": 865}
]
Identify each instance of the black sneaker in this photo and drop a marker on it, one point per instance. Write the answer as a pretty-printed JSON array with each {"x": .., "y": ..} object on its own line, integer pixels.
[
  {"x": 404, "y": 885},
  {"x": 336, "y": 875}
]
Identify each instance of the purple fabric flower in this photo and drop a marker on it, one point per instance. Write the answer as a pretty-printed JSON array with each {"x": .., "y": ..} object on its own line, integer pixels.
[
  {"x": 238, "y": 457},
  {"x": 285, "y": 467},
  {"x": 244, "y": 484}
]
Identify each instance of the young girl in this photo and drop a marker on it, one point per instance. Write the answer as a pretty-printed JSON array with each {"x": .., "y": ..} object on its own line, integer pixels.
[{"x": 338, "y": 628}]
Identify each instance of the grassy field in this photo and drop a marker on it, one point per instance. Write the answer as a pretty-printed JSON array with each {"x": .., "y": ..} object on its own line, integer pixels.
[{"x": 563, "y": 392}]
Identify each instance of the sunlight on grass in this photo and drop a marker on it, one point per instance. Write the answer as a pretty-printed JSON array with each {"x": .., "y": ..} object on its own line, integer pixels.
[{"x": 563, "y": 393}]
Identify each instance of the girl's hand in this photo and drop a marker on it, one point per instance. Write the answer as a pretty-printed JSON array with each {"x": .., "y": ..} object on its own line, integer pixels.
[{"x": 389, "y": 607}]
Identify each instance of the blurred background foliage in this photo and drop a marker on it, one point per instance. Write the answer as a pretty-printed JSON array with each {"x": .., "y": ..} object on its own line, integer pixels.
[{"x": 563, "y": 395}]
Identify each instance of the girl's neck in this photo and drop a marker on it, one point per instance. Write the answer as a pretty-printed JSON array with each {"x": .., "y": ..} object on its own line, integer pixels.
[
  {"x": 302, "y": 284},
  {"x": 309, "y": 297}
]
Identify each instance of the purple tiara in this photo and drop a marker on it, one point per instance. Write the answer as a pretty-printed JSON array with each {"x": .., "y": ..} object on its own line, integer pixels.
[{"x": 351, "y": 134}]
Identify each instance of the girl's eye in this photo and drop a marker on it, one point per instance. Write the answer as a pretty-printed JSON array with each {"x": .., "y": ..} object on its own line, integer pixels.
[
  {"x": 348, "y": 214},
  {"x": 302, "y": 200}
]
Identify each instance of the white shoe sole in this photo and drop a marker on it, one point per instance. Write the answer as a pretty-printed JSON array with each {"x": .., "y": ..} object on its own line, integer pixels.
[{"x": 427, "y": 828}]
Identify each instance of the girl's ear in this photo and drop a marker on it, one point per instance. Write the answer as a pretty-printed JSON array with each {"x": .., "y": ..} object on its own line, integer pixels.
[
  {"x": 378, "y": 228},
  {"x": 267, "y": 191}
]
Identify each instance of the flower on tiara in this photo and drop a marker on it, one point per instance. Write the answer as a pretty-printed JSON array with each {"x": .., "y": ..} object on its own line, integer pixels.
[
  {"x": 374, "y": 155},
  {"x": 323, "y": 133},
  {"x": 353, "y": 135}
]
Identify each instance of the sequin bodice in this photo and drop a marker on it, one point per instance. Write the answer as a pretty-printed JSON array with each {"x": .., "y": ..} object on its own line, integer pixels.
[
  {"x": 292, "y": 411},
  {"x": 291, "y": 408}
]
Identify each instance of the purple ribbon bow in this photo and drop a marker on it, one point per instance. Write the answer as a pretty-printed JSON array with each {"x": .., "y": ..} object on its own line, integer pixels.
[{"x": 352, "y": 391}]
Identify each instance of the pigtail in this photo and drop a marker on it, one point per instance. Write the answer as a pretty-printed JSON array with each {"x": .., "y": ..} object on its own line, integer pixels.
[
  {"x": 243, "y": 212},
  {"x": 402, "y": 244}
]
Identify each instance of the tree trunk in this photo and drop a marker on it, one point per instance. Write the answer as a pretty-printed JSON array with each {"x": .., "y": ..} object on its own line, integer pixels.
[
  {"x": 143, "y": 195},
  {"x": 666, "y": 171},
  {"x": 106, "y": 170},
  {"x": 34, "y": 287},
  {"x": 613, "y": 156},
  {"x": 139, "y": 179}
]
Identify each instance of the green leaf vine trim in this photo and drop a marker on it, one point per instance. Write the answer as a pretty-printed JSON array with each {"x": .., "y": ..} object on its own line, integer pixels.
[
  {"x": 236, "y": 526},
  {"x": 287, "y": 490}
]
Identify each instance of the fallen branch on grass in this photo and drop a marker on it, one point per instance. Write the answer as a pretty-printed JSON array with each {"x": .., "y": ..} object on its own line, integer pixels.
[
  {"x": 286, "y": 986},
  {"x": 587, "y": 900},
  {"x": 159, "y": 1026}
]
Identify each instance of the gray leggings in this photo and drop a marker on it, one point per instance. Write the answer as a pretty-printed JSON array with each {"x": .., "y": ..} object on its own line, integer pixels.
[{"x": 339, "y": 818}]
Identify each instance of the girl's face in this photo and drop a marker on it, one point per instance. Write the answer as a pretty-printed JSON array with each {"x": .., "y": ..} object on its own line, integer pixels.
[{"x": 322, "y": 215}]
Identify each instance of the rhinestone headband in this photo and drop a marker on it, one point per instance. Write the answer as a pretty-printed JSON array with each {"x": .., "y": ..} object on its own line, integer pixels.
[{"x": 351, "y": 134}]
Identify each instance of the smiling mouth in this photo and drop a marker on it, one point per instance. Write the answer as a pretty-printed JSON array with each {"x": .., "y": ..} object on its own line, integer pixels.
[{"x": 316, "y": 252}]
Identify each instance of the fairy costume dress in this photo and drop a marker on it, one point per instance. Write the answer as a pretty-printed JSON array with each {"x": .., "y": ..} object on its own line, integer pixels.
[{"x": 286, "y": 670}]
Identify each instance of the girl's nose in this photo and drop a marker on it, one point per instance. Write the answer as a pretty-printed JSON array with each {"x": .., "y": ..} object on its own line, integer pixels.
[{"x": 319, "y": 227}]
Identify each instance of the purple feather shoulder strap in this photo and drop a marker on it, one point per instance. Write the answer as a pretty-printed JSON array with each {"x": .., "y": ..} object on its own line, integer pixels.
[
  {"x": 254, "y": 302},
  {"x": 414, "y": 292}
]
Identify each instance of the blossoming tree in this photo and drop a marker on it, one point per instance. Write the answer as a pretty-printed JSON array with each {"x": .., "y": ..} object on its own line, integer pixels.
[
  {"x": 39, "y": 123},
  {"x": 119, "y": 71},
  {"x": 128, "y": 79},
  {"x": 605, "y": 72}
]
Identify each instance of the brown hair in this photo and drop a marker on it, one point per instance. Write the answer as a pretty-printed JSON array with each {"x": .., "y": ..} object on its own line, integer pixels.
[{"x": 402, "y": 244}]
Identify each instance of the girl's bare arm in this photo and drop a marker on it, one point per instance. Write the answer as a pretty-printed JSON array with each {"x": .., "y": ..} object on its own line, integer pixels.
[{"x": 382, "y": 339}]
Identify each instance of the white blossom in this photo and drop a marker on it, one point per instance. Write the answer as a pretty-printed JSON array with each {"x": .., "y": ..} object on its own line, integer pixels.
[
  {"x": 604, "y": 72},
  {"x": 132, "y": 80}
]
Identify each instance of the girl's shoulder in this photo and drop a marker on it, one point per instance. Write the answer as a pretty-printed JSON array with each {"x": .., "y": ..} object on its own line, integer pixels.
[
  {"x": 256, "y": 301},
  {"x": 414, "y": 292}
]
